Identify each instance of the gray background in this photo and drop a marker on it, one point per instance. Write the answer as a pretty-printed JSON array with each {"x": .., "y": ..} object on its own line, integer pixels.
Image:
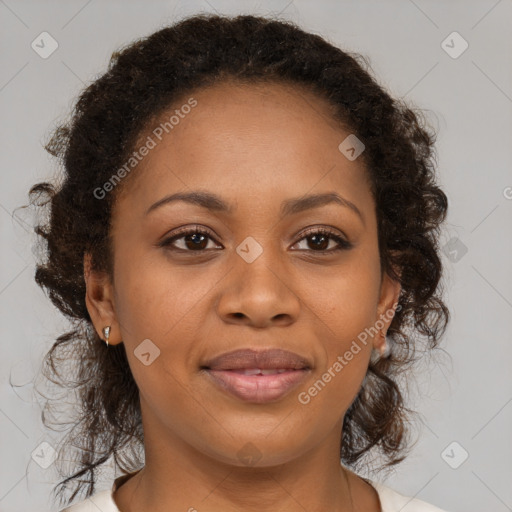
[{"x": 464, "y": 397}]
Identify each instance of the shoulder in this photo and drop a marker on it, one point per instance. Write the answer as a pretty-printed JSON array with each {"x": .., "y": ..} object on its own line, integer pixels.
[
  {"x": 100, "y": 501},
  {"x": 393, "y": 501}
]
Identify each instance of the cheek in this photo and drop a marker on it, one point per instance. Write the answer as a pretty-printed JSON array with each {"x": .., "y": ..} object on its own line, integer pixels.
[
  {"x": 346, "y": 350},
  {"x": 344, "y": 310},
  {"x": 164, "y": 305},
  {"x": 154, "y": 299},
  {"x": 344, "y": 298}
]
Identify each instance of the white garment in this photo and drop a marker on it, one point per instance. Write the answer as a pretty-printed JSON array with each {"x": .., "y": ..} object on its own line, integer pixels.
[{"x": 390, "y": 500}]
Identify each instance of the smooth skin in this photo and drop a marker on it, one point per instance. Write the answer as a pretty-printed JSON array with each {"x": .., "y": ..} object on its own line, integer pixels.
[{"x": 254, "y": 146}]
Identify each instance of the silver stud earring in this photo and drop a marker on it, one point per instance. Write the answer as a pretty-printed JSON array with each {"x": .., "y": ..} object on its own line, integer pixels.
[{"x": 106, "y": 333}]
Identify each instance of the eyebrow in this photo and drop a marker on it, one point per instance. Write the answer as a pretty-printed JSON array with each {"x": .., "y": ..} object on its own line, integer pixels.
[{"x": 215, "y": 203}]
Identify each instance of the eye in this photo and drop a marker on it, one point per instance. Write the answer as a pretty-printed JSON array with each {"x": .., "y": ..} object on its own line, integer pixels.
[
  {"x": 321, "y": 238},
  {"x": 193, "y": 240}
]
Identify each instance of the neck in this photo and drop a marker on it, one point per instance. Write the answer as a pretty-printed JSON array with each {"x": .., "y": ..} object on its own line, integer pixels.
[{"x": 177, "y": 476}]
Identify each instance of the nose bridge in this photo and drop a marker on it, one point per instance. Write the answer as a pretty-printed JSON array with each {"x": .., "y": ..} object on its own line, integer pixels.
[
  {"x": 257, "y": 289},
  {"x": 259, "y": 265}
]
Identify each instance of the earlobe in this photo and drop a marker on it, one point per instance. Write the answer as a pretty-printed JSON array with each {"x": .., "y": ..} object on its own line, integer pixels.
[
  {"x": 388, "y": 303},
  {"x": 99, "y": 303}
]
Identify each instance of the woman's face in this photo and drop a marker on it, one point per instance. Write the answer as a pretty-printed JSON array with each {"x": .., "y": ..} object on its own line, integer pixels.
[{"x": 259, "y": 279}]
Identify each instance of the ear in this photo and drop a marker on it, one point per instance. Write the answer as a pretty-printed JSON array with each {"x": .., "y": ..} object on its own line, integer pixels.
[
  {"x": 99, "y": 299},
  {"x": 388, "y": 302}
]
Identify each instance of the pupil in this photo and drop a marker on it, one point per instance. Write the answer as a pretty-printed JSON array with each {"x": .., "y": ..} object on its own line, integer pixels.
[
  {"x": 322, "y": 238},
  {"x": 197, "y": 239}
]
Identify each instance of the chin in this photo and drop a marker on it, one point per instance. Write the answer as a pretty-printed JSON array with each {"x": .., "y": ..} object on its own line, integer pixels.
[{"x": 259, "y": 451}]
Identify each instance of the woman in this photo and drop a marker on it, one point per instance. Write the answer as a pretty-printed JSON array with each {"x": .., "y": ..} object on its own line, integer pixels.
[{"x": 245, "y": 238}]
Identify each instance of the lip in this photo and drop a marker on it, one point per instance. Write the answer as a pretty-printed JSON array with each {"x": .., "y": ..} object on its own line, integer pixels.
[
  {"x": 257, "y": 388},
  {"x": 227, "y": 372},
  {"x": 248, "y": 358}
]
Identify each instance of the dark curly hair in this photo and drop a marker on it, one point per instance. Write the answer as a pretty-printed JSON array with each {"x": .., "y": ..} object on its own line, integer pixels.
[{"x": 110, "y": 116}]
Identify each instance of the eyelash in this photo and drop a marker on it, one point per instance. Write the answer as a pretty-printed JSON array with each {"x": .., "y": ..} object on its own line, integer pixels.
[{"x": 343, "y": 244}]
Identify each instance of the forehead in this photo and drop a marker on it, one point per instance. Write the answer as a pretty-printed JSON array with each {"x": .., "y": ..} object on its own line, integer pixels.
[
  {"x": 252, "y": 139},
  {"x": 260, "y": 110}
]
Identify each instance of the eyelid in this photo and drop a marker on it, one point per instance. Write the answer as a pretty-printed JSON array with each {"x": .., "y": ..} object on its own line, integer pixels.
[
  {"x": 319, "y": 228},
  {"x": 183, "y": 230}
]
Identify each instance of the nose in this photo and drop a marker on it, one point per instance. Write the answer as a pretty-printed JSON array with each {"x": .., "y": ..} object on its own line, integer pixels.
[{"x": 258, "y": 294}]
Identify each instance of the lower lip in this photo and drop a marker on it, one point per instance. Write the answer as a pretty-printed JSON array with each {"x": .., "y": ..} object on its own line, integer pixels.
[{"x": 257, "y": 388}]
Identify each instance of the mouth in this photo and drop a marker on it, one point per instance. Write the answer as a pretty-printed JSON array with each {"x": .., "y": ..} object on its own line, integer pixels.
[
  {"x": 261, "y": 371},
  {"x": 257, "y": 376}
]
